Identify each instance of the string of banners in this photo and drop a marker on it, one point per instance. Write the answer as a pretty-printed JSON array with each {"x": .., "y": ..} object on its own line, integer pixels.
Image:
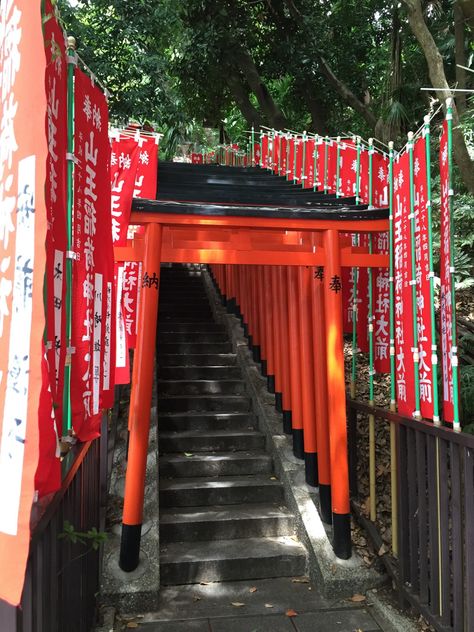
[
  {"x": 66, "y": 184},
  {"x": 390, "y": 311}
]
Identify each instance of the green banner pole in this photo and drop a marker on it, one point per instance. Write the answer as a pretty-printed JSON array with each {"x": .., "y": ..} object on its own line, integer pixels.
[
  {"x": 294, "y": 159},
  {"x": 72, "y": 62},
  {"x": 326, "y": 141},
  {"x": 434, "y": 346},
  {"x": 372, "y": 485},
  {"x": 393, "y": 401},
  {"x": 454, "y": 348},
  {"x": 355, "y": 275},
  {"x": 411, "y": 217}
]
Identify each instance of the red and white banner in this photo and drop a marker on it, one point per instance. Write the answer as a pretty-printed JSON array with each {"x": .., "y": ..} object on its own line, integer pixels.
[
  {"x": 381, "y": 307},
  {"x": 291, "y": 159},
  {"x": 379, "y": 180},
  {"x": 363, "y": 299},
  {"x": 56, "y": 201},
  {"x": 196, "y": 159},
  {"x": 309, "y": 167},
  {"x": 123, "y": 170},
  {"x": 131, "y": 300},
  {"x": 447, "y": 291},
  {"x": 422, "y": 259},
  {"x": 23, "y": 226},
  {"x": 403, "y": 294},
  {"x": 146, "y": 174},
  {"x": 92, "y": 360},
  {"x": 283, "y": 154},
  {"x": 299, "y": 159},
  {"x": 364, "y": 176},
  {"x": 256, "y": 153},
  {"x": 347, "y": 169},
  {"x": 265, "y": 150}
]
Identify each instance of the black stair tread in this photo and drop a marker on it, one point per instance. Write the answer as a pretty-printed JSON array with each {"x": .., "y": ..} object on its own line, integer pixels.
[
  {"x": 219, "y": 396},
  {"x": 242, "y": 548},
  {"x": 190, "y": 434},
  {"x": 197, "y": 359},
  {"x": 213, "y": 482},
  {"x": 216, "y": 457},
  {"x": 209, "y": 414},
  {"x": 184, "y": 382},
  {"x": 200, "y": 373},
  {"x": 224, "y": 512}
]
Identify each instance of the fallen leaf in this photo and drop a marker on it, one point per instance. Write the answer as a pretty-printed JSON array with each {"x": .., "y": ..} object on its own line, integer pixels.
[
  {"x": 188, "y": 454},
  {"x": 238, "y": 604},
  {"x": 253, "y": 589},
  {"x": 268, "y": 605},
  {"x": 357, "y": 598},
  {"x": 273, "y": 478},
  {"x": 291, "y": 613},
  {"x": 132, "y": 624},
  {"x": 300, "y": 580}
]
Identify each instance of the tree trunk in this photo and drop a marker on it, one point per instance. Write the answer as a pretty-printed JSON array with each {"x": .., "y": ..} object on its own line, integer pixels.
[
  {"x": 346, "y": 93},
  {"x": 241, "y": 96},
  {"x": 264, "y": 98},
  {"x": 438, "y": 80},
  {"x": 316, "y": 108},
  {"x": 460, "y": 56}
]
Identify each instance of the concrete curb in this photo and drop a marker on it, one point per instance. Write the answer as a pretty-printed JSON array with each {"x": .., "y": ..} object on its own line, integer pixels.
[
  {"x": 137, "y": 591},
  {"x": 336, "y": 578}
]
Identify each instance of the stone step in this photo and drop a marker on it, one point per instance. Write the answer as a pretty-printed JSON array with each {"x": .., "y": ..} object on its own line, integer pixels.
[
  {"x": 223, "y": 490},
  {"x": 225, "y": 522},
  {"x": 214, "y": 441},
  {"x": 193, "y": 348},
  {"x": 196, "y": 359},
  {"x": 183, "y": 309},
  {"x": 224, "y": 560},
  {"x": 189, "y": 317},
  {"x": 200, "y": 373},
  {"x": 206, "y": 464},
  {"x": 176, "y": 326},
  {"x": 206, "y": 421},
  {"x": 218, "y": 403},
  {"x": 200, "y": 387},
  {"x": 192, "y": 336}
]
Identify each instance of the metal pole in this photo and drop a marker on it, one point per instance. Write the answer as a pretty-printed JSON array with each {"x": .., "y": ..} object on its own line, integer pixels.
[
  {"x": 72, "y": 62},
  {"x": 434, "y": 346},
  {"x": 454, "y": 349},
  {"x": 338, "y": 145},
  {"x": 372, "y": 487},
  {"x": 315, "y": 163}
]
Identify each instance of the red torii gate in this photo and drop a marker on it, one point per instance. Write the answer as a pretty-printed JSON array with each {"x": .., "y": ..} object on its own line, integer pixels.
[{"x": 268, "y": 241}]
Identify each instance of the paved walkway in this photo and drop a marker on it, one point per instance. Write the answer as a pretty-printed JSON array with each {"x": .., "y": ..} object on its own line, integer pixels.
[{"x": 254, "y": 606}]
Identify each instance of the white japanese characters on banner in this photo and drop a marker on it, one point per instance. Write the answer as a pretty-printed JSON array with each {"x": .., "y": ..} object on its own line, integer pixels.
[{"x": 23, "y": 224}]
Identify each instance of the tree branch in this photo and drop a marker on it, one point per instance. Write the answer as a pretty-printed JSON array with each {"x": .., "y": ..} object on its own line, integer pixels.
[{"x": 438, "y": 80}]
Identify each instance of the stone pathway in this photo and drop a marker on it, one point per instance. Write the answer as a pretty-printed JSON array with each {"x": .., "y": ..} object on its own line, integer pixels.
[{"x": 265, "y": 606}]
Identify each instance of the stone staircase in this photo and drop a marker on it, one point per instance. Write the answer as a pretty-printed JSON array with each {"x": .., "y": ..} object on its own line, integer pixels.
[{"x": 222, "y": 511}]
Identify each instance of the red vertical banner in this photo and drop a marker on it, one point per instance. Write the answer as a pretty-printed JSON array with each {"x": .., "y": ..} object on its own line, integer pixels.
[
  {"x": 299, "y": 160},
  {"x": 131, "y": 300},
  {"x": 331, "y": 167},
  {"x": 276, "y": 152},
  {"x": 56, "y": 202},
  {"x": 146, "y": 173},
  {"x": 348, "y": 168},
  {"x": 381, "y": 307},
  {"x": 291, "y": 159},
  {"x": 283, "y": 152},
  {"x": 364, "y": 176},
  {"x": 264, "y": 144},
  {"x": 379, "y": 180},
  {"x": 123, "y": 170},
  {"x": 309, "y": 165},
  {"x": 346, "y": 239},
  {"x": 23, "y": 227},
  {"x": 363, "y": 299},
  {"x": 320, "y": 166},
  {"x": 423, "y": 279},
  {"x": 91, "y": 370},
  {"x": 257, "y": 153},
  {"x": 403, "y": 300},
  {"x": 447, "y": 291}
]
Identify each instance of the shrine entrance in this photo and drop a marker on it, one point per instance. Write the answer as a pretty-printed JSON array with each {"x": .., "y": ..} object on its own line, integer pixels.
[{"x": 286, "y": 240}]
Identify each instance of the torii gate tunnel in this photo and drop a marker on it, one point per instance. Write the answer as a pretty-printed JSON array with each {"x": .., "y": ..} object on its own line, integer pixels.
[{"x": 281, "y": 264}]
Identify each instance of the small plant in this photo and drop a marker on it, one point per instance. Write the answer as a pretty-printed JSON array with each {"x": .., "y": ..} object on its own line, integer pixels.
[{"x": 93, "y": 537}]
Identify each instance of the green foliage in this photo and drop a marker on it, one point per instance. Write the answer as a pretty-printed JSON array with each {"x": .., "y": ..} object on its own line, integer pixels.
[
  {"x": 467, "y": 397},
  {"x": 92, "y": 537}
]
